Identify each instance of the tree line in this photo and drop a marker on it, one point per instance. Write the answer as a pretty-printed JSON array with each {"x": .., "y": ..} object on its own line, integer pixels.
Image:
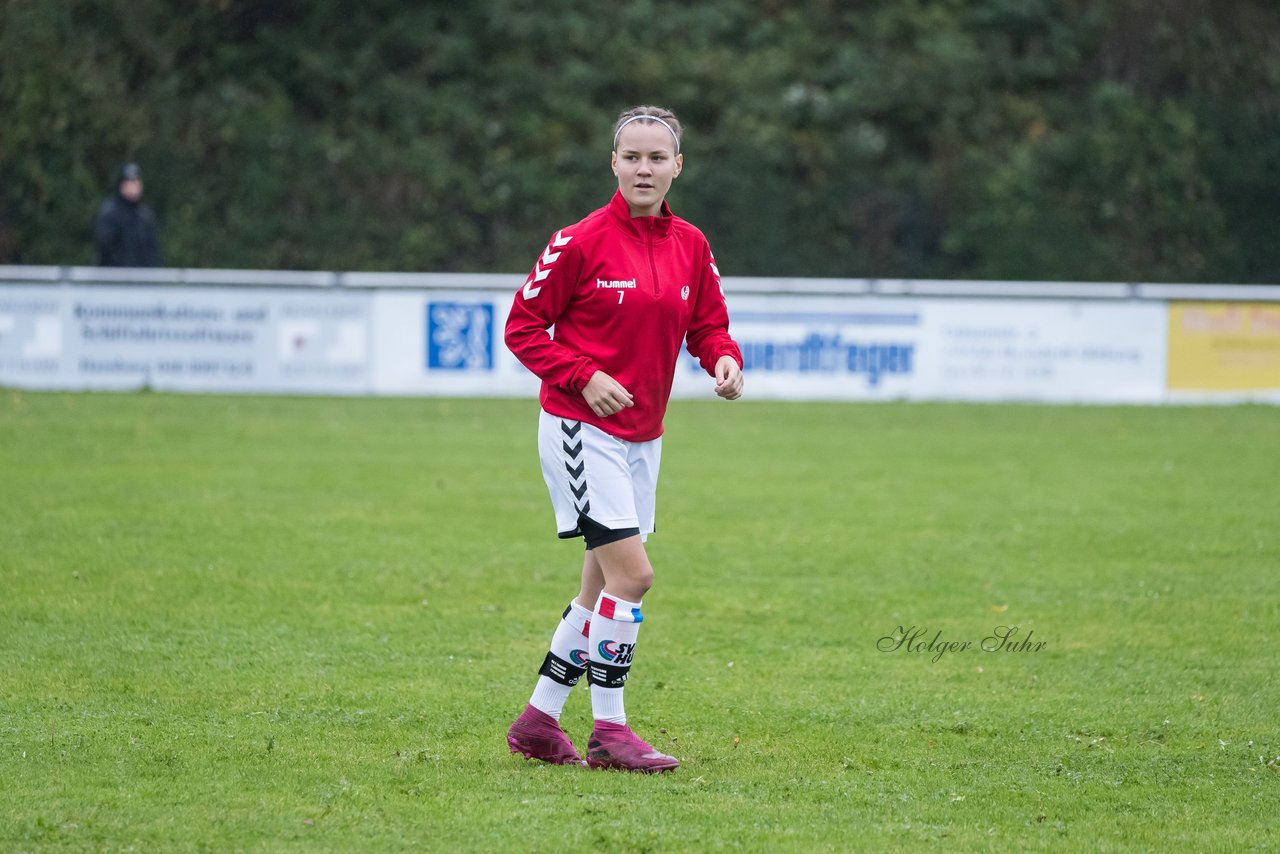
[{"x": 1132, "y": 140}]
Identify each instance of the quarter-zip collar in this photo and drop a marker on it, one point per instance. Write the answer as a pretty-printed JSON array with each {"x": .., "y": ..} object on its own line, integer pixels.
[{"x": 646, "y": 228}]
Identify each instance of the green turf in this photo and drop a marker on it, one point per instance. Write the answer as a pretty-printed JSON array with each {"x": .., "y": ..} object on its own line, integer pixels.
[{"x": 265, "y": 624}]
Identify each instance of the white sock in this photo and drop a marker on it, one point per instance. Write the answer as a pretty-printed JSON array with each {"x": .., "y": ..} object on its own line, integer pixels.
[
  {"x": 614, "y": 628},
  {"x": 565, "y": 662}
]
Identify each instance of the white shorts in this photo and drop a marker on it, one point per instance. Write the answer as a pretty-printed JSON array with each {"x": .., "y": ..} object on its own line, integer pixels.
[{"x": 611, "y": 481}]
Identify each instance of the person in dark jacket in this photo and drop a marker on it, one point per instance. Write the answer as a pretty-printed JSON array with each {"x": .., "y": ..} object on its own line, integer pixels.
[{"x": 125, "y": 228}]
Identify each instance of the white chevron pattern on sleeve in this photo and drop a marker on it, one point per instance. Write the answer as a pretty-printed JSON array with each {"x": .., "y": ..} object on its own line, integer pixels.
[
  {"x": 548, "y": 258},
  {"x": 716, "y": 270}
]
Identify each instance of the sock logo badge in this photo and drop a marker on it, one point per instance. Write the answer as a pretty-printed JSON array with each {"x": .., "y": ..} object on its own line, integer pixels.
[
  {"x": 579, "y": 657},
  {"x": 617, "y": 653}
]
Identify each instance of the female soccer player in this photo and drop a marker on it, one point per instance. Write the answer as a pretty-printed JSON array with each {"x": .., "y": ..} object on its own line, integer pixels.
[{"x": 622, "y": 289}]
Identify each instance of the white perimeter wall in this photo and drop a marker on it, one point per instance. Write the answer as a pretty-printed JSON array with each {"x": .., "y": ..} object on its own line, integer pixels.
[{"x": 817, "y": 339}]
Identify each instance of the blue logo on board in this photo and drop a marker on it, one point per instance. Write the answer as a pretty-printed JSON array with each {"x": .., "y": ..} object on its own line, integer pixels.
[
  {"x": 825, "y": 349},
  {"x": 459, "y": 336},
  {"x": 830, "y": 354}
]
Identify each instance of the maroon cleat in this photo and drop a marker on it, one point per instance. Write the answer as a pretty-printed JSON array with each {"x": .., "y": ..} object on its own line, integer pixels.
[
  {"x": 537, "y": 735},
  {"x": 615, "y": 746}
]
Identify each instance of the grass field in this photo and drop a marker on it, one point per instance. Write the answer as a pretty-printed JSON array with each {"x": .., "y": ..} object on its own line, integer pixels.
[{"x": 304, "y": 624}]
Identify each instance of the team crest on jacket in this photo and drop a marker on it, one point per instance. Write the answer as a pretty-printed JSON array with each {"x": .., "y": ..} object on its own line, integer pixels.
[{"x": 684, "y": 293}]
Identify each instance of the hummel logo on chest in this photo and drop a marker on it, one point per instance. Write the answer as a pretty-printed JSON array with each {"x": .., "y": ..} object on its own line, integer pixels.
[{"x": 615, "y": 283}]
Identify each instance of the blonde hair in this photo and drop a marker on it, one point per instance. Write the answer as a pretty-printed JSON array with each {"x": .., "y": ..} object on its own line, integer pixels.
[{"x": 649, "y": 115}]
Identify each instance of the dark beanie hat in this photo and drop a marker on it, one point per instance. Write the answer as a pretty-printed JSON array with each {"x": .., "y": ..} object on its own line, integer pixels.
[{"x": 130, "y": 172}]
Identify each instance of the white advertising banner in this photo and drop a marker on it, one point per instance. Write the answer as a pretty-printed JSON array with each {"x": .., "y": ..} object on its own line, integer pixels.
[
  {"x": 184, "y": 339},
  {"x": 448, "y": 342},
  {"x": 445, "y": 343},
  {"x": 831, "y": 348},
  {"x": 31, "y": 335},
  {"x": 1057, "y": 351}
]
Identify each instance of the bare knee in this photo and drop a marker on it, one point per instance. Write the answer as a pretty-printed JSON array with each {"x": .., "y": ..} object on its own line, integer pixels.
[
  {"x": 642, "y": 580},
  {"x": 592, "y": 581},
  {"x": 630, "y": 584},
  {"x": 626, "y": 568}
]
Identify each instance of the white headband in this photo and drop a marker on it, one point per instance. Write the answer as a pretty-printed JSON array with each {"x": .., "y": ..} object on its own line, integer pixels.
[{"x": 618, "y": 132}]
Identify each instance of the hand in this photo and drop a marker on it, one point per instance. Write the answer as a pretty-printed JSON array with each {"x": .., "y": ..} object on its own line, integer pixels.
[
  {"x": 728, "y": 378},
  {"x": 605, "y": 395}
]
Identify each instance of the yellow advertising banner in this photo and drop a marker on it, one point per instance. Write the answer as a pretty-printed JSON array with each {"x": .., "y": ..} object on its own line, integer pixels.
[{"x": 1219, "y": 346}]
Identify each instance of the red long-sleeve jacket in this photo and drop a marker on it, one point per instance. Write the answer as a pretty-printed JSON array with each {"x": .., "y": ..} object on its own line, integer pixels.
[{"x": 621, "y": 294}]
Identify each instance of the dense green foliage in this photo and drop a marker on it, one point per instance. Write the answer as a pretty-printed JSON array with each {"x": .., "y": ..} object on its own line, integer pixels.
[
  {"x": 256, "y": 624},
  {"x": 1064, "y": 139}
]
